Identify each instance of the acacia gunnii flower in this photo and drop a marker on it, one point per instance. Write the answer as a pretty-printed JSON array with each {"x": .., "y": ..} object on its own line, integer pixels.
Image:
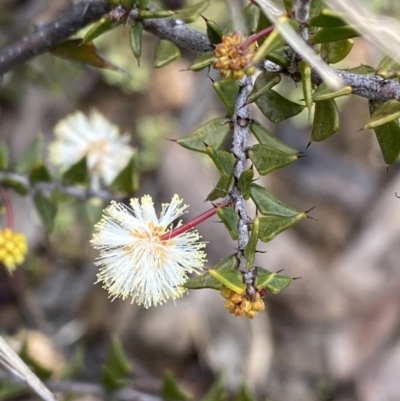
[
  {"x": 13, "y": 248},
  {"x": 137, "y": 257},
  {"x": 95, "y": 138}
]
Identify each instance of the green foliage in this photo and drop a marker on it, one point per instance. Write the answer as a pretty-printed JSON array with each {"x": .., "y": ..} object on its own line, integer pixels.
[
  {"x": 4, "y": 156},
  {"x": 171, "y": 390},
  {"x": 47, "y": 210},
  {"x": 166, "y": 52},
  {"x": 116, "y": 369},
  {"x": 77, "y": 174},
  {"x": 230, "y": 219},
  {"x": 326, "y": 120},
  {"x": 127, "y": 180}
]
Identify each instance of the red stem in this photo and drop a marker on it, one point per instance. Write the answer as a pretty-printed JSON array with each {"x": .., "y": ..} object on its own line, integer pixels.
[
  {"x": 253, "y": 38},
  {"x": 9, "y": 209},
  {"x": 189, "y": 225}
]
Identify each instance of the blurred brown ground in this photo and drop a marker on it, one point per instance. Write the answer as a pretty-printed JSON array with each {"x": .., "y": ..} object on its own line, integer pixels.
[{"x": 332, "y": 335}]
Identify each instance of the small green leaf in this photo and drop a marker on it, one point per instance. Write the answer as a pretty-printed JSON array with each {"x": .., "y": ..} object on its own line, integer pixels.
[
  {"x": 305, "y": 71},
  {"x": 273, "y": 42},
  {"x": 280, "y": 57},
  {"x": 251, "y": 14},
  {"x": 191, "y": 14},
  {"x": 47, "y": 210},
  {"x": 230, "y": 278},
  {"x": 267, "y": 159},
  {"x": 39, "y": 173},
  {"x": 217, "y": 391},
  {"x": 276, "y": 107},
  {"x": 221, "y": 189},
  {"x": 117, "y": 367},
  {"x": 166, "y": 52},
  {"x": 15, "y": 185},
  {"x": 245, "y": 181},
  {"x": 266, "y": 138},
  {"x": 251, "y": 246},
  {"x": 388, "y": 68},
  {"x": 268, "y": 204},
  {"x": 325, "y": 35},
  {"x": 75, "y": 50},
  {"x": 202, "y": 61},
  {"x": 273, "y": 282},
  {"x": 263, "y": 83},
  {"x": 128, "y": 4},
  {"x": 102, "y": 26},
  {"x": 361, "y": 70},
  {"x": 32, "y": 157},
  {"x": 323, "y": 92},
  {"x": 224, "y": 161},
  {"x": 327, "y": 19},
  {"x": 326, "y": 120},
  {"x": 206, "y": 280},
  {"x": 143, "y": 3},
  {"x": 384, "y": 113},
  {"x": 231, "y": 219},
  {"x": 227, "y": 90},
  {"x": 244, "y": 394},
  {"x": 146, "y": 14},
  {"x": 334, "y": 52},
  {"x": 135, "y": 40},
  {"x": 388, "y": 136},
  {"x": 77, "y": 174},
  {"x": 271, "y": 226},
  {"x": 128, "y": 179},
  {"x": 214, "y": 32},
  {"x": 213, "y": 133},
  {"x": 75, "y": 365},
  {"x": 4, "y": 156},
  {"x": 171, "y": 390}
]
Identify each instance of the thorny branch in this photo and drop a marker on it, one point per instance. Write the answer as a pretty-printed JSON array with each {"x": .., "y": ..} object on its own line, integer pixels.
[
  {"x": 41, "y": 186},
  {"x": 47, "y": 36},
  {"x": 71, "y": 21},
  {"x": 241, "y": 122}
]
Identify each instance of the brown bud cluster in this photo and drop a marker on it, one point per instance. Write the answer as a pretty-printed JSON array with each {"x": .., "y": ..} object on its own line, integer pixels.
[
  {"x": 233, "y": 61},
  {"x": 240, "y": 305}
]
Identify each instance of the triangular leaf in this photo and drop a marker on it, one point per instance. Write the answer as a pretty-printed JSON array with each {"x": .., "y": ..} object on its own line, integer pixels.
[
  {"x": 75, "y": 50},
  {"x": 214, "y": 32},
  {"x": 326, "y": 120},
  {"x": 202, "y": 61},
  {"x": 273, "y": 282},
  {"x": 276, "y": 107},
  {"x": 267, "y": 138},
  {"x": 171, "y": 390},
  {"x": 102, "y": 26},
  {"x": 40, "y": 173},
  {"x": 251, "y": 246},
  {"x": 334, "y": 52},
  {"x": 268, "y": 204},
  {"x": 77, "y": 174},
  {"x": 221, "y": 189},
  {"x": 323, "y": 92},
  {"x": 227, "y": 90},
  {"x": 191, "y": 14},
  {"x": 4, "y": 155},
  {"x": 271, "y": 226},
  {"x": 267, "y": 159},
  {"x": 135, "y": 40},
  {"x": 388, "y": 68},
  {"x": 212, "y": 133},
  {"x": 128, "y": 179},
  {"x": 32, "y": 157},
  {"x": 327, "y": 19},
  {"x": 325, "y": 35},
  {"x": 263, "y": 83},
  {"x": 230, "y": 219},
  {"x": 230, "y": 278},
  {"x": 166, "y": 52},
  {"x": 384, "y": 113},
  {"x": 224, "y": 161},
  {"x": 47, "y": 210},
  {"x": 245, "y": 181}
]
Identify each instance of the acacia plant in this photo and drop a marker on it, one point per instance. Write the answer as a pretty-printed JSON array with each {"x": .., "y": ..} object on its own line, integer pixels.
[{"x": 142, "y": 257}]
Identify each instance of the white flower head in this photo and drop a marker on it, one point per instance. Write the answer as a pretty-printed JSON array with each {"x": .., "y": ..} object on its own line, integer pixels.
[
  {"x": 77, "y": 136},
  {"x": 136, "y": 260}
]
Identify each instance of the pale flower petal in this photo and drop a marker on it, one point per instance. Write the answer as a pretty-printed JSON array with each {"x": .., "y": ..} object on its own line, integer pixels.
[
  {"x": 134, "y": 261},
  {"x": 77, "y": 136}
]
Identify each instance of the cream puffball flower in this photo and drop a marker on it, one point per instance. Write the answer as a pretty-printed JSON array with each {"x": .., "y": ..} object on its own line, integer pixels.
[
  {"x": 136, "y": 260},
  {"x": 77, "y": 136}
]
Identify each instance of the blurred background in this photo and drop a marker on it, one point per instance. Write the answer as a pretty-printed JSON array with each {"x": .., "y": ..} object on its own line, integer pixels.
[{"x": 332, "y": 335}]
